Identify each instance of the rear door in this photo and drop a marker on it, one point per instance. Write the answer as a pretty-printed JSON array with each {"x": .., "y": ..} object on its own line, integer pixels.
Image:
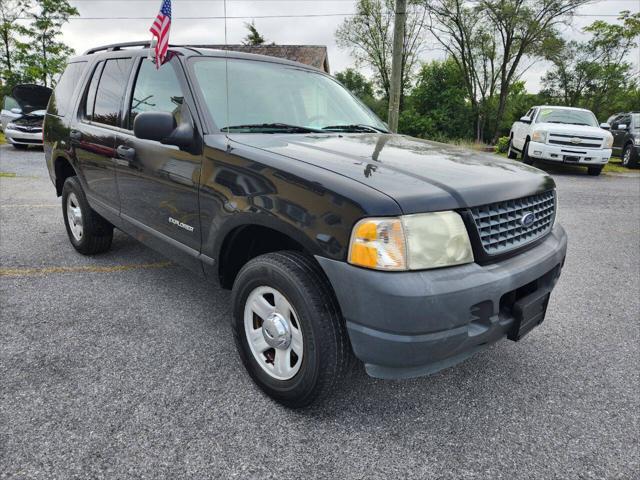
[
  {"x": 93, "y": 136},
  {"x": 620, "y": 135},
  {"x": 159, "y": 183}
]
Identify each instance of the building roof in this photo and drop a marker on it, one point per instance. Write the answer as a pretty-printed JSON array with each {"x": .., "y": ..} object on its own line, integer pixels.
[{"x": 312, "y": 55}]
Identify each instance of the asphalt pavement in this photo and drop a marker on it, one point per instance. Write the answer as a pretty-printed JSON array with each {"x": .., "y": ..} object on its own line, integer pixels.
[{"x": 123, "y": 366}]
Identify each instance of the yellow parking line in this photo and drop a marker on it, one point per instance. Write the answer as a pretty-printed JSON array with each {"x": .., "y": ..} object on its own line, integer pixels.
[
  {"x": 25, "y": 272},
  {"x": 29, "y": 206}
]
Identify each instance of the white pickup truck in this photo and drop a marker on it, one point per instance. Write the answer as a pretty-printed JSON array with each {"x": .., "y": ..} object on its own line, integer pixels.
[{"x": 561, "y": 135}]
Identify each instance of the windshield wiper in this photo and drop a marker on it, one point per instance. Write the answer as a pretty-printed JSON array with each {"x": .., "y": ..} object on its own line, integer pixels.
[
  {"x": 273, "y": 128},
  {"x": 354, "y": 128}
]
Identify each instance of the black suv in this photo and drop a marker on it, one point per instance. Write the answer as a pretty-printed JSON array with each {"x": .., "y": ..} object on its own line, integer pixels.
[
  {"x": 337, "y": 237},
  {"x": 625, "y": 128}
]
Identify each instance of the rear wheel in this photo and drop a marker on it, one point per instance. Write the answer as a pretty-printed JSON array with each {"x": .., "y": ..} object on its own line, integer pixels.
[
  {"x": 88, "y": 232},
  {"x": 511, "y": 153},
  {"x": 20, "y": 146},
  {"x": 630, "y": 157},
  {"x": 525, "y": 154},
  {"x": 288, "y": 329},
  {"x": 594, "y": 171}
]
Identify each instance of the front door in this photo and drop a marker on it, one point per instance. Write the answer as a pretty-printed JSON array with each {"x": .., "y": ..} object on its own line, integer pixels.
[
  {"x": 159, "y": 183},
  {"x": 93, "y": 135}
]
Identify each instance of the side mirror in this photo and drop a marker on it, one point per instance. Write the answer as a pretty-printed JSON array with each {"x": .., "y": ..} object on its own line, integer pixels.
[
  {"x": 605, "y": 126},
  {"x": 525, "y": 119},
  {"x": 161, "y": 127},
  {"x": 622, "y": 126},
  {"x": 16, "y": 110}
]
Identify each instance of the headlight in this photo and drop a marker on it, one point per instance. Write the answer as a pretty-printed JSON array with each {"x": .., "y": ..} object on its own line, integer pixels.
[
  {"x": 608, "y": 143},
  {"x": 411, "y": 242},
  {"x": 539, "y": 136},
  {"x": 11, "y": 125}
]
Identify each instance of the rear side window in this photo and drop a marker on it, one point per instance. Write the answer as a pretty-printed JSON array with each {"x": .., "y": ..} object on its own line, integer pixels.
[
  {"x": 156, "y": 91},
  {"x": 62, "y": 96},
  {"x": 110, "y": 91}
]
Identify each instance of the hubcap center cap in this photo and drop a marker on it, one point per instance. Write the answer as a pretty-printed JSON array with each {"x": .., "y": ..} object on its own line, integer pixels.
[{"x": 276, "y": 332}]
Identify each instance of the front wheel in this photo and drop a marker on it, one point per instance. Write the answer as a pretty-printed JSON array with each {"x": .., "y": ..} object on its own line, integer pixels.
[
  {"x": 88, "y": 232},
  {"x": 630, "y": 157},
  {"x": 525, "y": 154},
  {"x": 512, "y": 154},
  {"x": 594, "y": 171},
  {"x": 288, "y": 329}
]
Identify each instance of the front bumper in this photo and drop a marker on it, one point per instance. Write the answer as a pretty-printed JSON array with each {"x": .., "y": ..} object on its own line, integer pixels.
[
  {"x": 408, "y": 324},
  {"x": 569, "y": 155},
  {"x": 23, "y": 138}
]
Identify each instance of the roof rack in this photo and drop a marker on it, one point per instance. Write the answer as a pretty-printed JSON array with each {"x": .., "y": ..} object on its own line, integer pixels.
[{"x": 120, "y": 46}]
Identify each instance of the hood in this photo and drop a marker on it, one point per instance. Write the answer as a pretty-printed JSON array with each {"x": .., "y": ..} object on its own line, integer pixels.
[
  {"x": 567, "y": 129},
  {"x": 31, "y": 97},
  {"x": 419, "y": 175}
]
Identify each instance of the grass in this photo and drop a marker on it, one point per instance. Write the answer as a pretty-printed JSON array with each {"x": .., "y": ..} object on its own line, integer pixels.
[
  {"x": 2, "y": 139},
  {"x": 7, "y": 175}
]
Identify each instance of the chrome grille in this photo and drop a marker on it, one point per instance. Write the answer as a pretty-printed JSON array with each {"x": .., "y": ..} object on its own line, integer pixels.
[
  {"x": 575, "y": 140},
  {"x": 500, "y": 225}
]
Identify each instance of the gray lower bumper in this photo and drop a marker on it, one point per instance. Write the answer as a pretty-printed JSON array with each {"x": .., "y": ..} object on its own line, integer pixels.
[{"x": 408, "y": 324}]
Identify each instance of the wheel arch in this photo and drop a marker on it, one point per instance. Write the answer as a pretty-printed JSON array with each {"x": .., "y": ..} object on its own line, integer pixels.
[{"x": 63, "y": 168}]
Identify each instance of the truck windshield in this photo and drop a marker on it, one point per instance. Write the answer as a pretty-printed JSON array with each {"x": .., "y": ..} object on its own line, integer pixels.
[
  {"x": 571, "y": 117},
  {"x": 267, "y": 97}
]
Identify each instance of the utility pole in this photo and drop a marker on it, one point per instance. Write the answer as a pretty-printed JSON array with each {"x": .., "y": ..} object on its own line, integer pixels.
[{"x": 396, "y": 64}]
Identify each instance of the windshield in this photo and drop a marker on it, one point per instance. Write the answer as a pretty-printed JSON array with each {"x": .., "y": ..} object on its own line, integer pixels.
[
  {"x": 563, "y": 115},
  {"x": 269, "y": 97}
]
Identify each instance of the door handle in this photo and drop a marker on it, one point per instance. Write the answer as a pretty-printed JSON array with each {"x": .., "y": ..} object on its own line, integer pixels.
[
  {"x": 75, "y": 135},
  {"x": 126, "y": 153}
]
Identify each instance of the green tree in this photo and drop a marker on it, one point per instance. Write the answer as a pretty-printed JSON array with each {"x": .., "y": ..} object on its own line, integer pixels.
[
  {"x": 44, "y": 56},
  {"x": 368, "y": 35},
  {"x": 364, "y": 89},
  {"x": 253, "y": 37},
  {"x": 438, "y": 106},
  {"x": 10, "y": 29},
  {"x": 597, "y": 74},
  {"x": 491, "y": 40}
]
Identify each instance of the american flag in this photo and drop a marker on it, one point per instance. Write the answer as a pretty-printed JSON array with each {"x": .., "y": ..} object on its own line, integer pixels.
[{"x": 160, "y": 30}]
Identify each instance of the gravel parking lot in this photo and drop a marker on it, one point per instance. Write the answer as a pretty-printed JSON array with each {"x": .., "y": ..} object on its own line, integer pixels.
[{"x": 123, "y": 366}]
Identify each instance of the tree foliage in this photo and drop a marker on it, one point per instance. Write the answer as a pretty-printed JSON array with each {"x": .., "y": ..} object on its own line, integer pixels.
[
  {"x": 368, "y": 35},
  {"x": 597, "y": 74},
  {"x": 364, "y": 89},
  {"x": 253, "y": 37}
]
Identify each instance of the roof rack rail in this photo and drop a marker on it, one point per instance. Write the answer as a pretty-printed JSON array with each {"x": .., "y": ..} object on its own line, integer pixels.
[{"x": 117, "y": 46}]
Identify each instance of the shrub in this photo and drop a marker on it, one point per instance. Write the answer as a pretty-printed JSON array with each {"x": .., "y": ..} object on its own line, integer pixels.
[{"x": 502, "y": 145}]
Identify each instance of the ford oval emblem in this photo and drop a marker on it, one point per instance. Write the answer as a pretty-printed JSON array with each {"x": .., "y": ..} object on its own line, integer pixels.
[{"x": 527, "y": 219}]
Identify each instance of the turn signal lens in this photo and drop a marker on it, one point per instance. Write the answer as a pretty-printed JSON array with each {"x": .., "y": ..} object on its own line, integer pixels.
[{"x": 378, "y": 243}]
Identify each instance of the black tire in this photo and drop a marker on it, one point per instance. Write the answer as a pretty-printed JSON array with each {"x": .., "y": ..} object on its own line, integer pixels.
[
  {"x": 97, "y": 232},
  {"x": 327, "y": 352},
  {"x": 630, "y": 156},
  {"x": 594, "y": 171},
  {"x": 512, "y": 154},
  {"x": 20, "y": 146},
  {"x": 525, "y": 154}
]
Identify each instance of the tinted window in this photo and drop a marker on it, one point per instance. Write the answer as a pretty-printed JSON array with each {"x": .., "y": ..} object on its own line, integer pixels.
[
  {"x": 156, "y": 91},
  {"x": 63, "y": 93},
  {"x": 90, "y": 99},
  {"x": 624, "y": 119},
  {"x": 113, "y": 82}
]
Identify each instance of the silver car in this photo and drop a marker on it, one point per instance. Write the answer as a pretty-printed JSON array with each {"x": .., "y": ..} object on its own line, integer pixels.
[{"x": 22, "y": 124}]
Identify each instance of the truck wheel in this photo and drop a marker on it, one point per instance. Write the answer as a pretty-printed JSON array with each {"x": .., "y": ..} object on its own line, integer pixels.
[
  {"x": 630, "y": 157},
  {"x": 525, "y": 154},
  {"x": 88, "y": 232},
  {"x": 511, "y": 153},
  {"x": 288, "y": 328},
  {"x": 594, "y": 171}
]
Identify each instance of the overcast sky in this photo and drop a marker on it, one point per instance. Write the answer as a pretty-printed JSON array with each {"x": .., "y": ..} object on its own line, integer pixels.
[{"x": 86, "y": 32}]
